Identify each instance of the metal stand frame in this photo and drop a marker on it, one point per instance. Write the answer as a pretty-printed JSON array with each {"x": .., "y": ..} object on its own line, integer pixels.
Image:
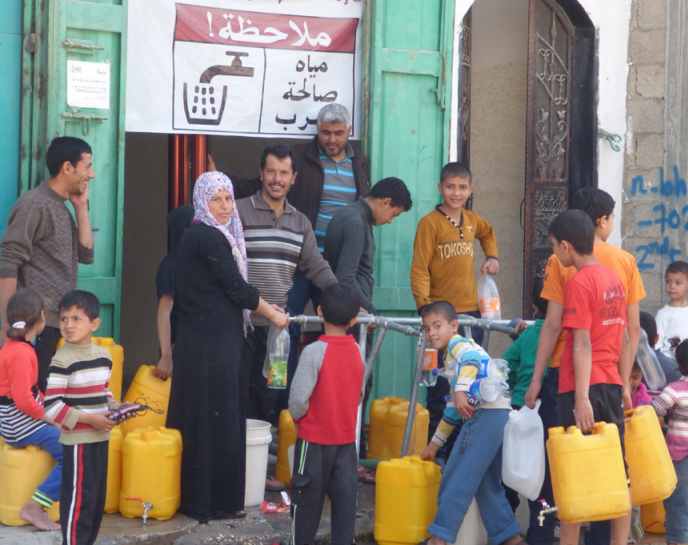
[{"x": 407, "y": 326}]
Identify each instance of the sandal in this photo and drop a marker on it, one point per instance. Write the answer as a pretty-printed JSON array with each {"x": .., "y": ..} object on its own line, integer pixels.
[
  {"x": 366, "y": 475},
  {"x": 273, "y": 485},
  {"x": 240, "y": 514}
]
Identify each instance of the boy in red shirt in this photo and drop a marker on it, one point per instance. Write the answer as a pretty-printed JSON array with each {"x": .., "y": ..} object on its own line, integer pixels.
[
  {"x": 591, "y": 388},
  {"x": 323, "y": 401}
]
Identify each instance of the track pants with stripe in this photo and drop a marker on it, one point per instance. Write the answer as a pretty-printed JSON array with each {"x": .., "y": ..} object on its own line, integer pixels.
[
  {"x": 82, "y": 499},
  {"x": 321, "y": 470}
]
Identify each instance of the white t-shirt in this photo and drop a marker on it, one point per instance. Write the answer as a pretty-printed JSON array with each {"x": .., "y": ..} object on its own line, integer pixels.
[{"x": 671, "y": 322}]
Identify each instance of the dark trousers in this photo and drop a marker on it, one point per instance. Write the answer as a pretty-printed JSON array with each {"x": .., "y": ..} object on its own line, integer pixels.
[
  {"x": 261, "y": 399},
  {"x": 82, "y": 498},
  {"x": 45, "y": 346},
  {"x": 544, "y": 535},
  {"x": 321, "y": 470}
]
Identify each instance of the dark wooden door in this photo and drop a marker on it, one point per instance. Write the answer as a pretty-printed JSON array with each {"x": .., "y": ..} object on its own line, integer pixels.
[{"x": 560, "y": 132}]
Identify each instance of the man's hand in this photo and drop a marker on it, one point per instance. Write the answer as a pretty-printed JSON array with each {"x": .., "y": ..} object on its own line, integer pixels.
[
  {"x": 585, "y": 420},
  {"x": 533, "y": 393},
  {"x": 491, "y": 265},
  {"x": 461, "y": 404},
  {"x": 430, "y": 452},
  {"x": 80, "y": 199},
  {"x": 627, "y": 402},
  {"x": 164, "y": 369}
]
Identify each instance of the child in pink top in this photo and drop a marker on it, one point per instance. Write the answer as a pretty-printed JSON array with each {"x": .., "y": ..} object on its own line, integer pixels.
[
  {"x": 674, "y": 401},
  {"x": 639, "y": 395}
]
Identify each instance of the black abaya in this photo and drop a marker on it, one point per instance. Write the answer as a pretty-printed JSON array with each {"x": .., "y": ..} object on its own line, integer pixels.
[{"x": 210, "y": 382}]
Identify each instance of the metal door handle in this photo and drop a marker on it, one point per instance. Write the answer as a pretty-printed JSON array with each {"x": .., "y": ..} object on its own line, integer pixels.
[{"x": 82, "y": 47}]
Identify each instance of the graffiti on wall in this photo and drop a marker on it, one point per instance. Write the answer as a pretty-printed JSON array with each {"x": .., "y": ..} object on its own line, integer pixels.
[{"x": 668, "y": 215}]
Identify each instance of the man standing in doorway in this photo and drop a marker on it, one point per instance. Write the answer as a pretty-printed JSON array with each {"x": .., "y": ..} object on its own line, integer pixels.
[
  {"x": 279, "y": 238},
  {"x": 42, "y": 245}
]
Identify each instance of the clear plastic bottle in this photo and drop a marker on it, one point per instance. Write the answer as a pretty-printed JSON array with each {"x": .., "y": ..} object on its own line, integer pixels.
[
  {"x": 488, "y": 295},
  {"x": 428, "y": 378},
  {"x": 278, "y": 353},
  {"x": 487, "y": 390},
  {"x": 498, "y": 368},
  {"x": 649, "y": 364}
]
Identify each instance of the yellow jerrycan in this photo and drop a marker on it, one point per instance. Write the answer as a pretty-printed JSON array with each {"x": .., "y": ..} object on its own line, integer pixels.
[
  {"x": 405, "y": 500},
  {"x": 117, "y": 354},
  {"x": 114, "y": 472},
  {"x": 21, "y": 471},
  {"x": 151, "y": 472},
  {"x": 387, "y": 425},
  {"x": 285, "y": 439},
  {"x": 588, "y": 474},
  {"x": 652, "y": 517},
  {"x": 148, "y": 389},
  {"x": 650, "y": 468}
]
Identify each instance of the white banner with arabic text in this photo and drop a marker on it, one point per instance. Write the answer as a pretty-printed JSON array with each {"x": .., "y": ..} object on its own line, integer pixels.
[{"x": 242, "y": 67}]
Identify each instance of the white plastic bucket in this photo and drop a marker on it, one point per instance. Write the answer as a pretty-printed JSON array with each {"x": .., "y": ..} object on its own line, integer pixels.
[{"x": 258, "y": 439}]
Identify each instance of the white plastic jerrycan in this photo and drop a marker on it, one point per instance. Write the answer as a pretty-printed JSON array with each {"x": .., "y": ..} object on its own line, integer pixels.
[{"x": 523, "y": 452}]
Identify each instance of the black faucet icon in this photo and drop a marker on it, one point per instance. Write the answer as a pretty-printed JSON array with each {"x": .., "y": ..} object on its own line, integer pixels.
[{"x": 204, "y": 110}]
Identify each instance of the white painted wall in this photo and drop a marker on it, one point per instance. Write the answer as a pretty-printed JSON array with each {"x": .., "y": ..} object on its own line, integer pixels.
[{"x": 612, "y": 21}]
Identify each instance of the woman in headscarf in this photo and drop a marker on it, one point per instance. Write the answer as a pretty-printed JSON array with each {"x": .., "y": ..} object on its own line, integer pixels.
[{"x": 210, "y": 387}]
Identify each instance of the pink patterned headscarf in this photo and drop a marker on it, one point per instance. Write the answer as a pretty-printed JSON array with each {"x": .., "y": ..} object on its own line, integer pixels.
[{"x": 207, "y": 186}]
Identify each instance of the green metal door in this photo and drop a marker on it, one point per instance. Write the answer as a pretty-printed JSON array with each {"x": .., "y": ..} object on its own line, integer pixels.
[
  {"x": 56, "y": 32},
  {"x": 407, "y": 136}
]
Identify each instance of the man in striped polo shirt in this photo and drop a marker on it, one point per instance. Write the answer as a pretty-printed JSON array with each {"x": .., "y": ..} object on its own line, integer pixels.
[{"x": 279, "y": 238}]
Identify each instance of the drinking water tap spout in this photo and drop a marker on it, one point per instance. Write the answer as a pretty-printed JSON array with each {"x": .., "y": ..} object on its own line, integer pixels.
[
  {"x": 147, "y": 506},
  {"x": 546, "y": 510},
  {"x": 235, "y": 69}
]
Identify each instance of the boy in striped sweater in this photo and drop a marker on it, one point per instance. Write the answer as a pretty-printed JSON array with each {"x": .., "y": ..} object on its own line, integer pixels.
[{"x": 78, "y": 399}]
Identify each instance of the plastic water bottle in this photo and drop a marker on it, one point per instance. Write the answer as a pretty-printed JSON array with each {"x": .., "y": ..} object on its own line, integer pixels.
[
  {"x": 449, "y": 371},
  {"x": 428, "y": 378},
  {"x": 278, "y": 353},
  {"x": 488, "y": 295},
  {"x": 498, "y": 368},
  {"x": 487, "y": 390},
  {"x": 649, "y": 364}
]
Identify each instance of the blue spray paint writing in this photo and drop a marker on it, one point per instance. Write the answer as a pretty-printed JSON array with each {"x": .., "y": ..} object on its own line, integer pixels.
[{"x": 666, "y": 217}]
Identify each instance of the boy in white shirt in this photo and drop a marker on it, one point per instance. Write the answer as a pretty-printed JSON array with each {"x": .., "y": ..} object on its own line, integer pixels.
[{"x": 672, "y": 320}]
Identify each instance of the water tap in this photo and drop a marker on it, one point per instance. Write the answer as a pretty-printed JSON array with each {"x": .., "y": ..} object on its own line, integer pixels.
[
  {"x": 147, "y": 506},
  {"x": 546, "y": 510}
]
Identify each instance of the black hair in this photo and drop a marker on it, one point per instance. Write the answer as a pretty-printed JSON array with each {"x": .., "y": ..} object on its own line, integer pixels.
[
  {"x": 576, "y": 228},
  {"x": 539, "y": 301},
  {"x": 649, "y": 325},
  {"x": 443, "y": 308},
  {"x": 682, "y": 357},
  {"x": 395, "y": 189},
  {"x": 456, "y": 170},
  {"x": 63, "y": 149},
  {"x": 677, "y": 267},
  {"x": 636, "y": 365},
  {"x": 594, "y": 202},
  {"x": 24, "y": 306},
  {"x": 281, "y": 151},
  {"x": 83, "y": 300},
  {"x": 340, "y": 303}
]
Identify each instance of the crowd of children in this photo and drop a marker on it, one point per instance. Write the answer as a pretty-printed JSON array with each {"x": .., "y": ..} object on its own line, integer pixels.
[{"x": 578, "y": 359}]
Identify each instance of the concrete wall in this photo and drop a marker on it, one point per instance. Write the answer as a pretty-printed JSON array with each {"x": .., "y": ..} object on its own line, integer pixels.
[
  {"x": 499, "y": 62},
  {"x": 653, "y": 218}
]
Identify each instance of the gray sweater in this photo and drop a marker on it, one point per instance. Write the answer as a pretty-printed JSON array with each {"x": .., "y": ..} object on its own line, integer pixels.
[
  {"x": 275, "y": 246},
  {"x": 350, "y": 249},
  {"x": 41, "y": 248}
]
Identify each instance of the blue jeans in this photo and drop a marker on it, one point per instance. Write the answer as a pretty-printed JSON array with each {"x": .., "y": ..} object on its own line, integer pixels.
[
  {"x": 676, "y": 506},
  {"x": 474, "y": 469},
  {"x": 46, "y": 438},
  {"x": 544, "y": 535}
]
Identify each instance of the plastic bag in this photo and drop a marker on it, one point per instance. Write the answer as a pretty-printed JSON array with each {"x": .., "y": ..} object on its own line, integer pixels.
[
  {"x": 523, "y": 452},
  {"x": 649, "y": 364},
  {"x": 276, "y": 357}
]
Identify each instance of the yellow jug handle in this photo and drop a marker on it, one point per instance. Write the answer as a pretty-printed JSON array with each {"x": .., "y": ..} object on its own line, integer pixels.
[{"x": 629, "y": 412}]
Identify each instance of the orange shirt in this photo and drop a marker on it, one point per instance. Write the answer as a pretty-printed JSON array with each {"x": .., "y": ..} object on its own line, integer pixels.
[
  {"x": 442, "y": 266},
  {"x": 618, "y": 260}
]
